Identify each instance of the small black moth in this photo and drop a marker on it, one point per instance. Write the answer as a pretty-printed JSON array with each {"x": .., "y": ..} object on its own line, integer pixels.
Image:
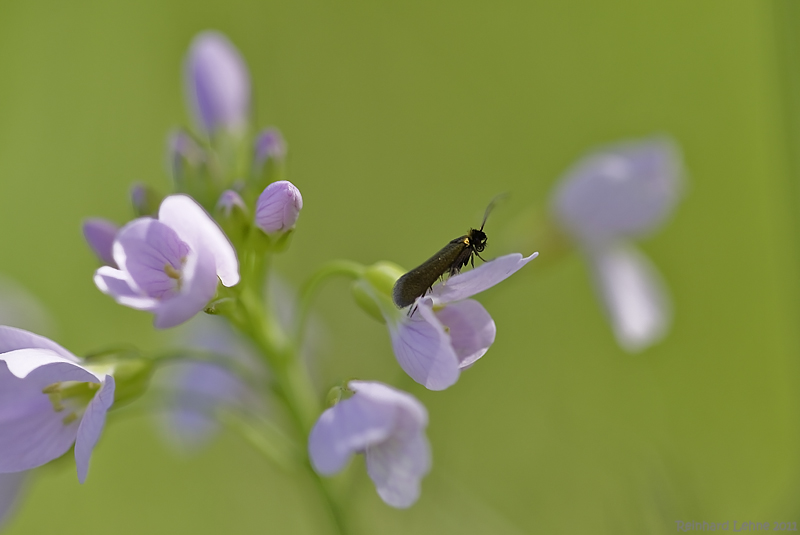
[{"x": 450, "y": 259}]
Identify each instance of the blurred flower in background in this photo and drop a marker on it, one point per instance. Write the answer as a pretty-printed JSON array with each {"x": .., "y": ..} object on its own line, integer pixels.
[{"x": 609, "y": 198}]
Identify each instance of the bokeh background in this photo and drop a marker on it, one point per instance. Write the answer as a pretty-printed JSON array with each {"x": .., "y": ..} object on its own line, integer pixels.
[{"x": 403, "y": 119}]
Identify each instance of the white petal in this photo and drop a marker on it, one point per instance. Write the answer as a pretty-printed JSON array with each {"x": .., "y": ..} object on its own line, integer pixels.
[
  {"x": 12, "y": 338},
  {"x": 23, "y": 362},
  {"x": 634, "y": 296}
]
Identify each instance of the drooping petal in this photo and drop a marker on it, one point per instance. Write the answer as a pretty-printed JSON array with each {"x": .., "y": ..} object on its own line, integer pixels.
[
  {"x": 423, "y": 348},
  {"x": 10, "y": 489},
  {"x": 198, "y": 229},
  {"x": 145, "y": 248},
  {"x": 634, "y": 296},
  {"x": 118, "y": 285},
  {"x": 99, "y": 234},
  {"x": 217, "y": 83},
  {"x": 12, "y": 338},
  {"x": 481, "y": 278},
  {"x": 472, "y": 330},
  {"x": 347, "y": 428},
  {"x": 91, "y": 426},
  {"x": 621, "y": 190},
  {"x": 32, "y": 433},
  {"x": 396, "y": 466},
  {"x": 199, "y": 287}
]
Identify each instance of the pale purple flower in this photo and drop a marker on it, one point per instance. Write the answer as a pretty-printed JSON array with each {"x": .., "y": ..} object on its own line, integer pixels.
[
  {"x": 618, "y": 193},
  {"x": 170, "y": 266},
  {"x": 448, "y": 332},
  {"x": 278, "y": 207},
  {"x": 217, "y": 83},
  {"x": 388, "y": 427},
  {"x": 49, "y": 401},
  {"x": 269, "y": 144},
  {"x": 99, "y": 234},
  {"x": 196, "y": 390}
]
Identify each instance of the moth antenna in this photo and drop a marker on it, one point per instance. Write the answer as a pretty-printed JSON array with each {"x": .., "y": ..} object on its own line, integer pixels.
[{"x": 491, "y": 206}]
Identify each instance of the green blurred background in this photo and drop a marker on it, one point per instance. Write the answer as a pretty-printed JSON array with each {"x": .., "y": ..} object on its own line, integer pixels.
[{"x": 403, "y": 120}]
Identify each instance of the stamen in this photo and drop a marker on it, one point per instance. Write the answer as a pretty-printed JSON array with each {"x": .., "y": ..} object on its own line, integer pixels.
[
  {"x": 171, "y": 272},
  {"x": 51, "y": 389},
  {"x": 69, "y": 418},
  {"x": 55, "y": 401}
]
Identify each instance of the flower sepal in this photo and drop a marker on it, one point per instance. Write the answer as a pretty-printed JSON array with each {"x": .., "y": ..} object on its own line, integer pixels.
[{"x": 373, "y": 291}]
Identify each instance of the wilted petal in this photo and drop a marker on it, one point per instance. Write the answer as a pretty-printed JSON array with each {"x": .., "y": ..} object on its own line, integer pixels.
[
  {"x": 483, "y": 277},
  {"x": 10, "y": 488},
  {"x": 99, "y": 234},
  {"x": 622, "y": 190},
  {"x": 472, "y": 330},
  {"x": 423, "y": 348},
  {"x": 91, "y": 426},
  {"x": 217, "y": 83},
  {"x": 198, "y": 229},
  {"x": 634, "y": 295}
]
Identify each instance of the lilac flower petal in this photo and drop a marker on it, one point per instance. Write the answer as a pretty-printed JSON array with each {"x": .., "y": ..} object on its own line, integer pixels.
[
  {"x": 144, "y": 249},
  {"x": 634, "y": 295},
  {"x": 396, "y": 467},
  {"x": 91, "y": 426},
  {"x": 479, "y": 279},
  {"x": 472, "y": 330},
  {"x": 622, "y": 190},
  {"x": 45, "y": 366},
  {"x": 10, "y": 488},
  {"x": 31, "y": 432},
  {"x": 116, "y": 283},
  {"x": 200, "y": 285},
  {"x": 12, "y": 338},
  {"x": 196, "y": 228},
  {"x": 345, "y": 429},
  {"x": 217, "y": 83},
  {"x": 99, "y": 234},
  {"x": 423, "y": 348},
  {"x": 278, "y": 207}
]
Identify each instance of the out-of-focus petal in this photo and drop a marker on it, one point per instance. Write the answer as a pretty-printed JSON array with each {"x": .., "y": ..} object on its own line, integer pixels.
[
  {"x": 472, "y": 330},
  {"x": 195, "y": 227},
  {"x": 10, "y": 489},
  {"x": 217, "y": 83},
  {"x": 423, "y": 348},
  {"x": 397, "y": 466},
  {"x": 269, "y": 144},
  {"x": 91, "y": 426},
  {"x": 99, "y": 234},
  {"x": 621, "y": 190},
  {"x": 634, "y": 295},
  {"x": 45, "y": 366},
  {"x": 483, "y": 277}
]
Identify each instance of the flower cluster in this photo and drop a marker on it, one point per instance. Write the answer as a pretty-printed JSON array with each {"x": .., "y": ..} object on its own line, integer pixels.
[{"x": 205, "y": 247}]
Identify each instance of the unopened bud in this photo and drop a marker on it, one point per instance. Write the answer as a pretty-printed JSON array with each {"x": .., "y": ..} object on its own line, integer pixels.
[
  {"x": 145, "y": 200},
  {"x": 278, "y": 207}
]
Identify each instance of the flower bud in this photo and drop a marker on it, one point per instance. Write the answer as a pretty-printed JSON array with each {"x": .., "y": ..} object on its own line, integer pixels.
[
  {"x": 217, "y": 84},
  {"x": 99, "y": 234},
  {"x": 269, "y": 144},
  {"x": 145, "y": 200},
  {"x": 233, "y": 216},
  {"x": 278, "y": 207}
]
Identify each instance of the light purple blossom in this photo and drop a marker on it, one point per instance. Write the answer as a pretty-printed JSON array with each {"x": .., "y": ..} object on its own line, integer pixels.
[
  {"x": 278, "y": 207},
  {"x": 388, "y": 427},
  {"x": 217, "y": 83},
  {"x": 609, "y": 197},
  {"x": 228, "y": 200},
  {"x": 99, "y": 234},
  {"x": 448, "y": 332},
  {"x": 48, "y": 401},
  {"x": 170, "y": 266},
  {"x": 196, "y": 390}
]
